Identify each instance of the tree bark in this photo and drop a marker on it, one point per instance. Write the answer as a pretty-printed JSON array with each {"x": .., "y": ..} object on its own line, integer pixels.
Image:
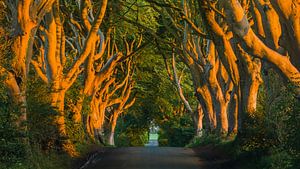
[
  {"x": 111, "y": 140},
  {"x": 198, "y": 121},
  {"x": 253, "y": 45},
  {"x": 27, "y": 19},
  {"x": 205, "y": 98},
  {"x": 219, "y": 97},
  {"x": 289, "y": 13}
]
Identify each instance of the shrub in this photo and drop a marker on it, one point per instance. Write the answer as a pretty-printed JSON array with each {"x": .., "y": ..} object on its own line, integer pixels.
[
  {"x": 12, "y": 149},
  {"x": 178, "y": 131},
  {"x": 272, "y": 133},
  {"x": 277, "y": 160}
]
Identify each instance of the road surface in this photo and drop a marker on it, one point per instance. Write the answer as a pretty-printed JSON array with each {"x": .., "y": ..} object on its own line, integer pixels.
[
  {"x": 147, "y": 158},
  {"x": 152, "y": 143}
]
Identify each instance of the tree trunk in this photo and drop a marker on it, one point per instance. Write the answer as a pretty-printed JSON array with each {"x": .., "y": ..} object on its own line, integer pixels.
[
  {"x": 250, "y": 81},
  {"x": 25, "y": 31},
  {"x": 234, "y": 111},
  {"x": 111, "y": 140},
  {"x": 289, "y": 13},
  {"x": 205, "y": 98},
  {"x": 58, "y": 105},
  {"x": 251, "y": 100},
  {"x": 22, "y": 48},
  {"x": 96, "y": 116},
  {"x": 219, "y": 98},
  {"x": 254, "y": 46},
  {"x": 58, "y": 100},
  {"x": 198, "y": 121},
  {"x": 17, "y": 95}
]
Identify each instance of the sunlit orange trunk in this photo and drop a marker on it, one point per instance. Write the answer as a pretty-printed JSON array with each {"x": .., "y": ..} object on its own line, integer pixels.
[
  {"x": 226, "y": 54},
  {"x": 198, "y": 121},
  {"x": 289, "y": 13},
  {"x": 255, "y": 46},
  {"x": 18, "y": 97},
  {"x": 26, "y": 22},
  {"x": 204, "y": 96},
  {"x": 55, "y": 78},
  {"x": 235, "y": 114},
  {"x": 250, "y": 68},
  {"x": 96, "y": 118},
  {"x": 219, "y": 98},
  {"x": 251, "y": 92},
  {"x": 22, "y": 48}
]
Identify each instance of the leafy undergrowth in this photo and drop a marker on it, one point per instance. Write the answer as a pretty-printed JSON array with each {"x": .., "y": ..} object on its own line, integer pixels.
[
  {"x": 38, "y": 159},
  {"x": 227, "y": 153},
  {"x": 216, "y": 152}
]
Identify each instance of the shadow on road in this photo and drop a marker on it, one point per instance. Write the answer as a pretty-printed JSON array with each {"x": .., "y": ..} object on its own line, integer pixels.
[{"x": 153, "y": 157}]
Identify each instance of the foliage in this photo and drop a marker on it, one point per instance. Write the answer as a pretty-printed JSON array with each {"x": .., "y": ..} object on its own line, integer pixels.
[
  {"x": 76, "y": 131},
  {"x": 41, "y": 116},
  {"x": 12, "y": 149},
  {"x": 157, "y": 102},
  {"x": 205, "y": 140},
  {"x": 35, "y": 158},
  {"x": 268, "y": 140},
  {"x": 270, "y": 136},
  {"x": 6, "y": 53},
  {"x": 132, "y": 130},
  {"x": 178, "y": 131},
  {"x": 278, "y": 160},
  {"x": 272, "y": 133}
]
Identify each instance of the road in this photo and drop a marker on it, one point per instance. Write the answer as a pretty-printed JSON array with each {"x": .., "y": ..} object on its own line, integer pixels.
[
  {"x": 152, "y": 143},
  {"x": 147, "y": 158}
]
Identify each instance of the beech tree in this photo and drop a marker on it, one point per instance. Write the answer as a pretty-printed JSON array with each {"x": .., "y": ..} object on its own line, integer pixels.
[
  {"x": 225, "y": 55},
  {"x": 221, "y": 50},
  {"x": 121, "y": 102},
  {"x": 53, "y": 60},
  {"x": 26, "y": 17},
  {"x": 241, "y": 28}
]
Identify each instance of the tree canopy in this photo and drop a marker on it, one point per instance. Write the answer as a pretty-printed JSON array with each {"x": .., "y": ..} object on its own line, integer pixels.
[{"x": 90, "y": 71}]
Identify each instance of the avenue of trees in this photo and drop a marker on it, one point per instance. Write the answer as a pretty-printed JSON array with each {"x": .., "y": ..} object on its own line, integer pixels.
[{"x": 77, "y": 72}]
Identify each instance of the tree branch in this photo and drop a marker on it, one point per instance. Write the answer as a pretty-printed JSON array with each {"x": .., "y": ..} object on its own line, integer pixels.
[{"x": 39, "y": 71}]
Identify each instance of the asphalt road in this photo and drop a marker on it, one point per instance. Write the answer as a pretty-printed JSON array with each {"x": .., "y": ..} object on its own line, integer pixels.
[{"x": 147, "y": 158}]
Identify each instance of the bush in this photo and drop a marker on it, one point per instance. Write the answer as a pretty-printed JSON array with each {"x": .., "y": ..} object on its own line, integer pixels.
[
  {"x": 132, "y": 137},
  {"x": 38, "y": 159},
  {"x": 178, "y": 131},
  {"x": 163, "y": 142},
  {"x": 12, "y": 149},
  {"x": 205, "y": 140},
  {"x": 132, "y": 130},
  {"x": 272, "y": 134},
  {"x": 278, "y": 160}
]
